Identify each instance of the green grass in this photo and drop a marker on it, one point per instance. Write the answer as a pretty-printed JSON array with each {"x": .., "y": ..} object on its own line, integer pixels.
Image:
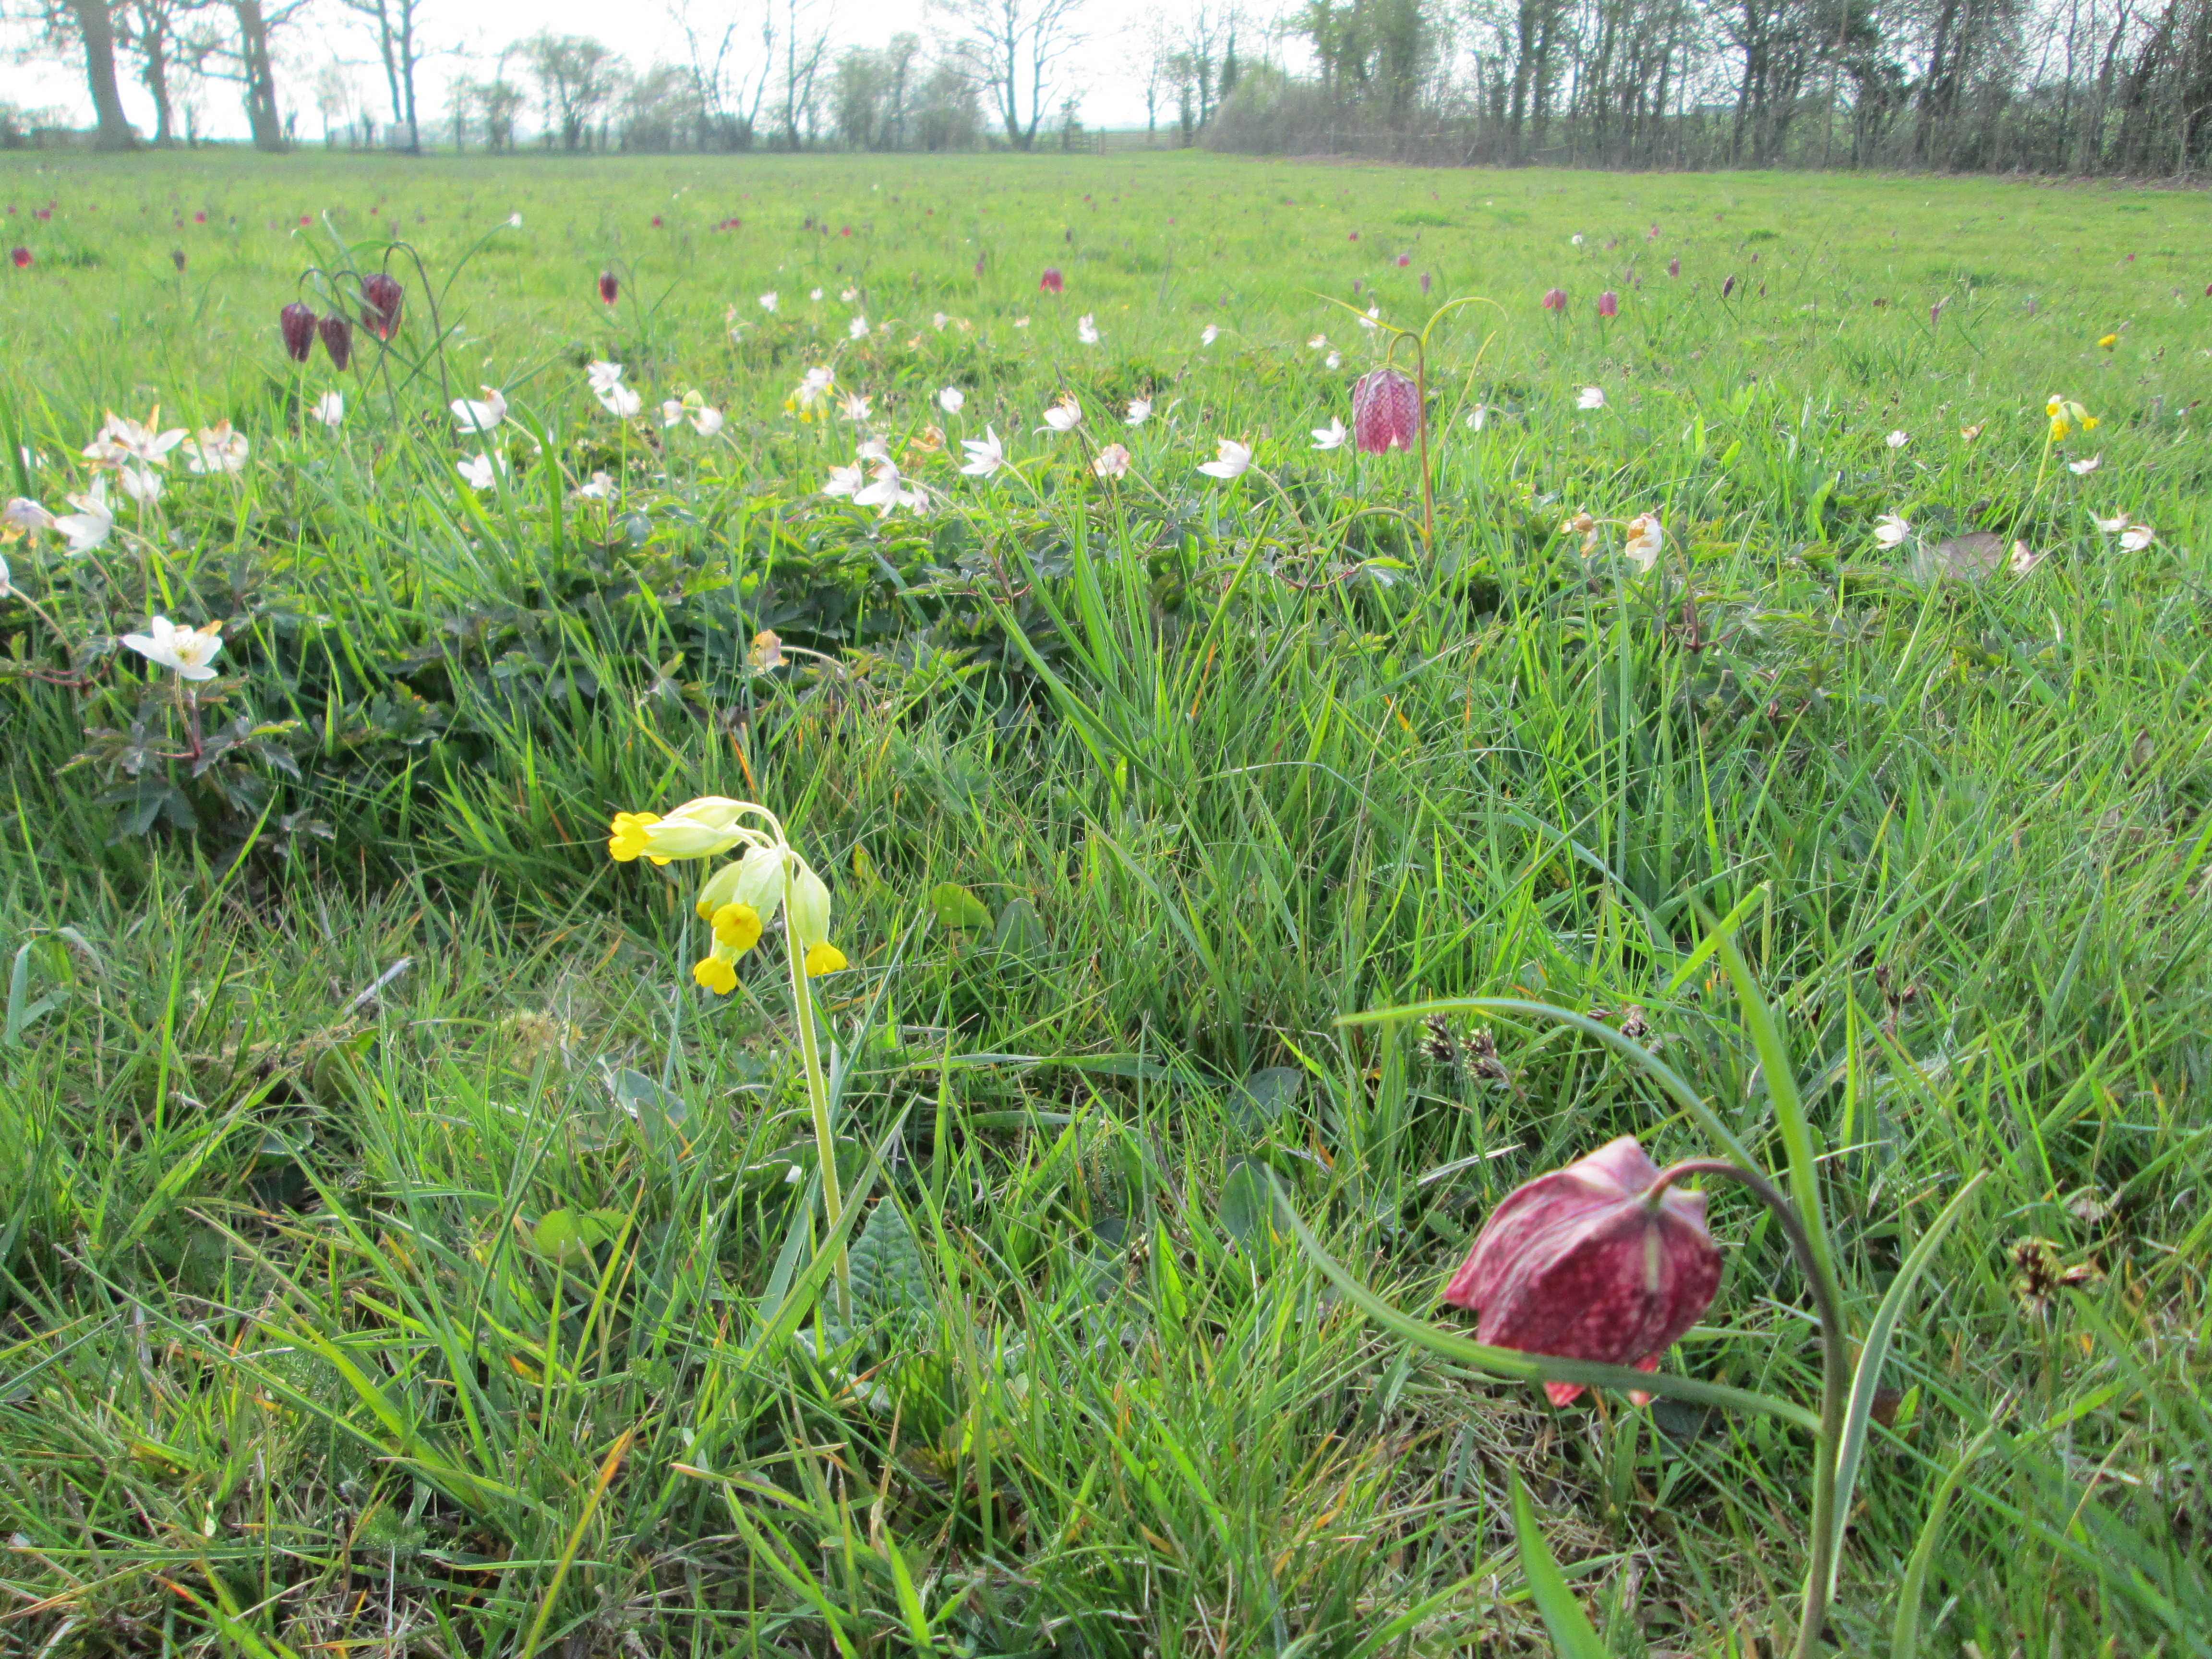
[{"x": 293, "y": 1362}]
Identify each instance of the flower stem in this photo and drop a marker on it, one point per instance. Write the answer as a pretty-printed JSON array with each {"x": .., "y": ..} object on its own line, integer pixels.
[
  {"x": 1421, "y": 437},
  {"x": 818, "y": 1101},
  {"x": 1835, "y": 1379}
]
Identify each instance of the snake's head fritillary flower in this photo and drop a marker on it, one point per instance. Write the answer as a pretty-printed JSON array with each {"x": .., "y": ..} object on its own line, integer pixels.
[
  {"x": 1674, "y": 266},
  {"x": 21, "y": 256},
  {"x": 1386, "y": 412},
  {"x": 1555, "y": 299},
  {"x": 610, "y": 287},
  {"x": 1065, "y": 414},
  {"x": 176, "y": 258},
  {"x": 950, "y": 399},
  {"x": 2085, "y": 466},
  {"x": 1898, "y": 439},
  {"x": 381, "y": 301},
  {"x": 1891, "y": 529},
  {"x": 1608, "y": 304},
  {"x": 2137, "y": 537},
  {"x": 337, "y": 334},
  {"x": 1113, "y": 462},
  {"x": 297, "y": 323},
  {"x": 1331, "y": 436},
  {"x": 1405, "y": 259},
  {"x": 1591, "y": 1262},
  {"x": 1140, "y": 409},
  {"x": 1050, "y": 282},
  {"x": 330, "y": 408}
]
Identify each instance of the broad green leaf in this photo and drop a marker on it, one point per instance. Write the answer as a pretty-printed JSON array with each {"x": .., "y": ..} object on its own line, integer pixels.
[{"x": 954, "y": 906}]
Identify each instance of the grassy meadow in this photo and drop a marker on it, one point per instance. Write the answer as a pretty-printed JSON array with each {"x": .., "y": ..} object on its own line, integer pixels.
[{"x": 400, "y": 1254}]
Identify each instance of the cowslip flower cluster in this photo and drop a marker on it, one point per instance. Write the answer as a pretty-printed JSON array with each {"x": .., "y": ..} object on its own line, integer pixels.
[
  {"x": 813, "y": 393},
  {"x": 741, "y": 899},
  {"x": 2067, "y": 416}
]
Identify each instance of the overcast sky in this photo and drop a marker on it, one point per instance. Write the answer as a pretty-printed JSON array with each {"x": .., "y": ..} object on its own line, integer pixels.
[{"x": 639, "y": 29}]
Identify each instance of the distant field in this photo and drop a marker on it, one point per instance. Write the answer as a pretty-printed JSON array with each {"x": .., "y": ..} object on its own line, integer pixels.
[{"x": 395, "y": 1234}]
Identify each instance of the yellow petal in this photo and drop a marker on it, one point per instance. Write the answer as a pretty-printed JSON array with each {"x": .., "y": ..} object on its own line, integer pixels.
[
  {"x": 824, "y": 958},
  {"x": 737, "y": 927}
]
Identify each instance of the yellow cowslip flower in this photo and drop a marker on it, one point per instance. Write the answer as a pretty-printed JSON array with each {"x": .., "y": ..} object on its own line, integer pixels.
[
  {"x": 824, "y": 958},
  {"x": 627, "y": 840},
  {"x": 737, "y": 927},
  {"x": 2109, "y": 341},
  {"x": 716, "y": 974},
  {"x": 697, "y": 829}
]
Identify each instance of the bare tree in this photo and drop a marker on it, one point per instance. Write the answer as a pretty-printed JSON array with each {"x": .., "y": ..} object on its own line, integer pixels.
[
  {"x": 577, "y": 80},
  {"x": 806, "y": 49},
  {"x": 730, "y": 89},
  {"x": 152, "y": 32},
  {"x": 84, "y": 29},
  {"x": 393, "y": 25},
  {"x": 244, "y": 58},
  {"x": 1014, "y": 52}
]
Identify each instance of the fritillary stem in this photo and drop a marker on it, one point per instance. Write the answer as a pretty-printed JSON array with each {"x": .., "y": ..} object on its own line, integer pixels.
[{"x": 1835, "y": 1379}]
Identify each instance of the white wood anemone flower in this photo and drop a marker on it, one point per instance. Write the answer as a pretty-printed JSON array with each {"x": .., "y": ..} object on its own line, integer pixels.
[{"x": 189, "y": 651}]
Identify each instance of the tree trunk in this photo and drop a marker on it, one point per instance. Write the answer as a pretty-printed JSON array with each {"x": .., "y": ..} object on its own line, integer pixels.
[
  {"x": 261, "y": 117},
  {"x": 156, "y": 77},
  {"x": 97, "y": 29}
]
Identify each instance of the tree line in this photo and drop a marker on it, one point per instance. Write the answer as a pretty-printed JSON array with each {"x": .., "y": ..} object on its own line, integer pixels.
[
  {"x": 2052, "y": 86},
  {"x": 760, "y": 73},
  {"x": 2046, "y": 86}
]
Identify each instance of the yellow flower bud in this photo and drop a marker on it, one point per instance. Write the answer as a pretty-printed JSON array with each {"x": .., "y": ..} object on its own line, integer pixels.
[
  {"x": 736, "y": 928},
  {"x": 721, "y": 887},
  {"x": 2059, "y": 429},
  {"x": 824, "y": 958},
  {"x": 716, "y": 974}
]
